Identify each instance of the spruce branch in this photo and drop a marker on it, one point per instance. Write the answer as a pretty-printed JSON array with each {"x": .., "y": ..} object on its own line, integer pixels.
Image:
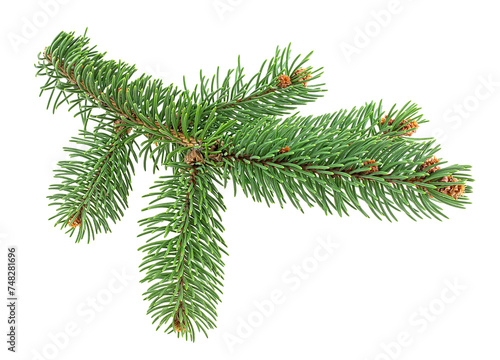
[
  {"x": 107, "y": 102},
  {"x": 227, "y": 128},
  {"x": 185, "y": 269},
  {"x": 95, "y": 183},
  {"x": 274, "y": 91},
  {"x": 340, "y": 160}
]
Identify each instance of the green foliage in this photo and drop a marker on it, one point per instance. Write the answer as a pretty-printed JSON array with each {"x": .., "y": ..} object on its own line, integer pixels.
[
  {"x": 229, "y": 127},
  {"x": 326, "y": 164},
  {"x": 95, "y": 182},
  {"x": 243, "y": 101},
  {"x": 186, "y": 268}
]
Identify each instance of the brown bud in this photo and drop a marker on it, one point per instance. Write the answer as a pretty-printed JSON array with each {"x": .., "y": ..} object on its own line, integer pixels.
[
  {"x": 284, "y": 150},
  {"x": 218, "y": 156},
  {"x": 428, "y": 164},
  {"x": 303, "y": 79},
  {"x": 373, "y": 168},
  {"x": 455, "y": 191},
  {"x": 215, "y": 157},
  {"x": 194, "y": 156},
  {"x": 404, "y": 125},
  {"x": 284, "y": 81},
  {"x": 77, "y": 221},
  {"x": 178, "y": 327}
]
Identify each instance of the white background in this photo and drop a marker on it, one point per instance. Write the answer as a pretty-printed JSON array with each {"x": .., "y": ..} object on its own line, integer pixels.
[{"x": 361, "y": 299}]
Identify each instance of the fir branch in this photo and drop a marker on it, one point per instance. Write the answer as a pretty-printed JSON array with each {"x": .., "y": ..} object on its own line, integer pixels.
[
  {"x": 227, "y": 127},
  {"x": 341, "y": 160},
  {"x": 95, "y": 183},
  {"x": 146, "y": 105},
  {"x": 185, "y": 269},
  {"x": 281, "y": 84},
  {"x": 107, "y": 102}
]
